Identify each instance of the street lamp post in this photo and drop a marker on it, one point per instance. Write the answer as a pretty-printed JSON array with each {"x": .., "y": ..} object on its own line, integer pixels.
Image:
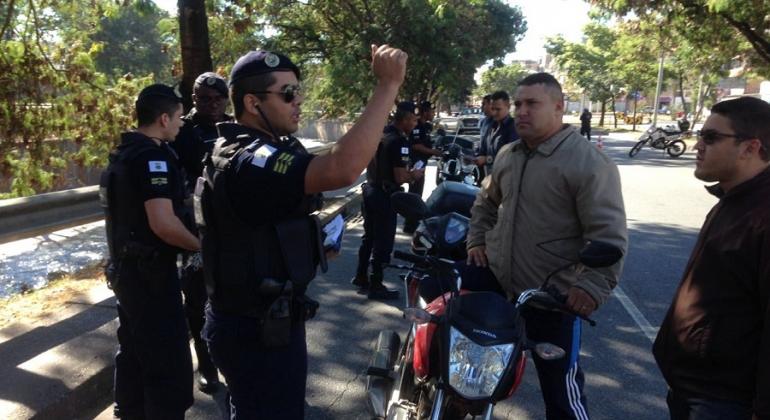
[{"x": 657, "y": 90}]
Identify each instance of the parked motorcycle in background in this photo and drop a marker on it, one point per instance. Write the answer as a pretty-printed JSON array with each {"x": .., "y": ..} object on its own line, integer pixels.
[
  {"x": 458, "y": 161},
  {"x": 669, "y": 138},
  {"x": 465, "y": 350}
]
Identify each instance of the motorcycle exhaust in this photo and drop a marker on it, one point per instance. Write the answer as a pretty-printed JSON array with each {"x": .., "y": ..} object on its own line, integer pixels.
[{"x": 379, "y": 382}]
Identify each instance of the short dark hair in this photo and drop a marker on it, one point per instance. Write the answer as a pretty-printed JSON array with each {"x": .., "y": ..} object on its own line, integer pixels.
[
  {"x": 154, "y": 101},
  {"x": 749, "y": 118},
  {"x": 401, "y": 113},
  {"x": 486, "y": 98},
  {"x": 500, "y": 94},
  {"x": 246, "y": 85},
  {"x": 545, "y": 79}
]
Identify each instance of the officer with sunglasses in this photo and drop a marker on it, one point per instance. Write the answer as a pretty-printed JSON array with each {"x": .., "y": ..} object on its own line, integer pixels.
[
  {"x": 260, "y": 244},
  {"x": 195, "y": 139}
]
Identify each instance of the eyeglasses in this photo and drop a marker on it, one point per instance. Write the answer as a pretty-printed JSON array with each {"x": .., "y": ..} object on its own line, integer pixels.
[
  {"x": 710, "y": 137},
  {"x": 289, "y": 92}
]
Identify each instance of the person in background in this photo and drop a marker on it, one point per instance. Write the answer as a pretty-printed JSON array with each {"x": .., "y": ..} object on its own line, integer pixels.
[
  {"x": 585, "y": 124},
  {"x": 420, "y": 150}
]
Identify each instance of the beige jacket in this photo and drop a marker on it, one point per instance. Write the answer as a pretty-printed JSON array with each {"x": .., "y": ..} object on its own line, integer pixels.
[{"x": 537, "y": 210}]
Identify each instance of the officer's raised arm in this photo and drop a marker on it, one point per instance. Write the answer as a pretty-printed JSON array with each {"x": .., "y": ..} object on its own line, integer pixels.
[{"x": 351, "y": 154}]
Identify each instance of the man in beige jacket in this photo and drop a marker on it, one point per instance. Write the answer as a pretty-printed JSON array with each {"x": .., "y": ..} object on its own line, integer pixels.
[{"x": 548, "y": 194}]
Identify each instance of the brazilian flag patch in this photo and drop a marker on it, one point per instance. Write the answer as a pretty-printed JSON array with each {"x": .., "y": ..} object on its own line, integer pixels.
[{"x": 283, "y": 162}]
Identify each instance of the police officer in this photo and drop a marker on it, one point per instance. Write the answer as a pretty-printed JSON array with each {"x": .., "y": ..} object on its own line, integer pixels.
[
  {"x": 384, "y": 176},
  {"x": 142, "y": 191},
  {"x": 261, "y": 247},
  {"x": 199, "y": 132},
  {"x": 420, "y": 150},
  {"x": 195, "y": 139}
]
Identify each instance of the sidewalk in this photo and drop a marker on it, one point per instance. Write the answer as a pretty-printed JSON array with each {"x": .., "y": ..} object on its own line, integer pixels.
[{"x": 59, "y": 365}]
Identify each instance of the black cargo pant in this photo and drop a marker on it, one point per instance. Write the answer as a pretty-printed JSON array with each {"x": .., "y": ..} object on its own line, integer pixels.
[
  {"x": 379, "y": 229},
  {"x": 415, "y": 187},
  {"x": 153, "y": 365},
  {"x": 194, "y": 288},
  {"x": 264, "y": 382}
]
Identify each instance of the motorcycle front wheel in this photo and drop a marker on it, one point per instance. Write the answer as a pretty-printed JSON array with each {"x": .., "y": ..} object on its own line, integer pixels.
[
  {"x": 637, "y": 147},
  {"x": 676, "y": 148}
]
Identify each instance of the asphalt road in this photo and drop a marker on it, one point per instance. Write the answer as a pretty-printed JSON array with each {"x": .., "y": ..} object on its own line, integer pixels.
[{"x": 665, "y": 207}]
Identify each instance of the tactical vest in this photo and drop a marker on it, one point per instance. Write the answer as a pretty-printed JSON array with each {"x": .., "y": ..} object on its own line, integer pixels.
[
  {"x": 116, "y": 193},
  {"x": 239, "y": 256}
]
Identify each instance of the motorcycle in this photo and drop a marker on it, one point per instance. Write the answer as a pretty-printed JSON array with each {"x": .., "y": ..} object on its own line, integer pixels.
[
  {"x": 465, "y": 351},
  {"x": 668, "y": 138},
  {"x": 457, "y": 162}
]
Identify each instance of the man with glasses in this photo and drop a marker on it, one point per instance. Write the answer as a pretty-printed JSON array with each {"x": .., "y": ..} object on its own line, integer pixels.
[
  {"x": 195, "y": 139},
  {"x": 260, "y": 243},
  {"x": 714, "y": 343}
]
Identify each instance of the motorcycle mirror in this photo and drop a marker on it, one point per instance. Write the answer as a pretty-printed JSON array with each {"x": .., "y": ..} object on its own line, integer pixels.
[
  {"x": 417, "y": 315},
  {"x": 600, "y": 254},
  {"x": 548, "y": 351},
  {"x": 409, "y": 205}
]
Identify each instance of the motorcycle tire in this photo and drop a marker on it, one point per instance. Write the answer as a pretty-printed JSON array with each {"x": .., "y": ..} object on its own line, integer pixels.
[
  {"x": 637, "y": 147},
  {"x": 676, "y": 148}
]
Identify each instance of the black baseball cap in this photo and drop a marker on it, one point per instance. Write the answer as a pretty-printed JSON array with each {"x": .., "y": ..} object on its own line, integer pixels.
[
  {"x": 260, "y": 62},
  {"x": 158, "y": 90},
  {"x": 211, "y": 80},
  {"x": 424, "y": 105}
]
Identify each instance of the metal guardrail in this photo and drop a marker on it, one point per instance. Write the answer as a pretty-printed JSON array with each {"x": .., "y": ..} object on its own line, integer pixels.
[{"x": 39, "y": 214}]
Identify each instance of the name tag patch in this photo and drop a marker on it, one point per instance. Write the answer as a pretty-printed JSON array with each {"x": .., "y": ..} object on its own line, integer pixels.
[
  {"x": 157, "y": 166},
  {"x": 261, "y": 155}
]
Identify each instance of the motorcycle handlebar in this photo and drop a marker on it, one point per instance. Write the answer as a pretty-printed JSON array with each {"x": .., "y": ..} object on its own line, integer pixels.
[{"x": 414, "y": 259}]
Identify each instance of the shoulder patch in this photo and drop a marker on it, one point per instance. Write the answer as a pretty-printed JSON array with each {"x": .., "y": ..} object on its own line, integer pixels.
[
  {"x": 404, "y": 150},
  {"x": 159, "y": 181},
  {"x": 283, "y": 162},
  {"x": 158, "y": 166},
  {"x": 262, "y": 154}
]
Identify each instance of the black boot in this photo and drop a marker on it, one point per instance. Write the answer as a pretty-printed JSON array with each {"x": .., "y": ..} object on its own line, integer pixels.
[
  {"x": 377, "y": 290},
  {"x": 361, "y": 282}
]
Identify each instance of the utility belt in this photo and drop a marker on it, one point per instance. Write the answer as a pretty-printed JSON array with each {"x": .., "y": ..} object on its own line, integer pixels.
[
  {"x": 145, "y": 257},
  {"x": 284, "y": 307}
]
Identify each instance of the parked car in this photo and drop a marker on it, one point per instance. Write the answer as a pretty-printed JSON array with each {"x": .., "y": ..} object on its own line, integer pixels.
[{"x": 466, "y": 122}]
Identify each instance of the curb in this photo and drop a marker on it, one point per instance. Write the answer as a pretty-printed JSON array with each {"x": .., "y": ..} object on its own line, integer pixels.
[{"x": 72, "y": 377}]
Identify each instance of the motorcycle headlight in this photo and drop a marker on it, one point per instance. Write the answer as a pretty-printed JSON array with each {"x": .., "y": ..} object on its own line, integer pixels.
[
  {"x": 475, "y": 370},
  {"x": 455, "y": 231}
]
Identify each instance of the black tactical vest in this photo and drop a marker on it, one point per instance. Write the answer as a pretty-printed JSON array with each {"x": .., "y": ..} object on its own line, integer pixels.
[
  {"x": 238, "y": 256},
  {"x": 128, "y": 232}
]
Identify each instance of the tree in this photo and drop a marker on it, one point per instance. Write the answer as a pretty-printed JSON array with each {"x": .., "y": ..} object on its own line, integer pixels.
[
  {"x": 692, "y": 18},
  {"x": 501, "y": 78},
  {"x": 51, "y": 90},
  {"x": 590, "y": 64},
  {"x": 446, "y": 41},
  {"x": 194, "y": 43}
]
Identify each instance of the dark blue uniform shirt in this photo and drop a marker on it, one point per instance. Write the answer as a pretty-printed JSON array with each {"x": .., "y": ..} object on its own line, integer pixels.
[
  {"x": 421, "y": 135},
  {"x": 393, "y": 152}
]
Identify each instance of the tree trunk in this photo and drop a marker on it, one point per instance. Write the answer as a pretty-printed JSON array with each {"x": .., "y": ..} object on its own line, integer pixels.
[
  {"x": 681, "y": 94},
  {"x": 601, "y": 118},
  {"x": 636, "y": 98},
  {"x": 194, "y": 41},
  {"x": 614, "y": 113}
]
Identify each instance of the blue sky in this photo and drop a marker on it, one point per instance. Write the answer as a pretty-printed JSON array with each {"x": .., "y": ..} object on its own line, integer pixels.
[{"x": 545, "y": 18}]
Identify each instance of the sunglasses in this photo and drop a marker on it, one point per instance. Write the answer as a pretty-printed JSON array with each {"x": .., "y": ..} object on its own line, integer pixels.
[
  {"x": 289, "y": 92},
  {"x": 710, "y": 137}
]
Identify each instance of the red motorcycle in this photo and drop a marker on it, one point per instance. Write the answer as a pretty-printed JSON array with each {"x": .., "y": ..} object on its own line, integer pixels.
[{"x": 465, "y": 351}]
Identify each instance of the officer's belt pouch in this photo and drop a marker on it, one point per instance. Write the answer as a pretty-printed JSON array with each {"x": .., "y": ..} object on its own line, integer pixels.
[{"x": 301, "y": 247}]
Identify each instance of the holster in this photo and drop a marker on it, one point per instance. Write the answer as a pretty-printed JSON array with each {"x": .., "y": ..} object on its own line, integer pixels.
[
  {"x": 112, "y": 272},
  {"x": 276, "y": 325}
]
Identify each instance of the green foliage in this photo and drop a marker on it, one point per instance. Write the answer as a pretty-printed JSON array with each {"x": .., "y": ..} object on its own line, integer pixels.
[
  {"x": 501, "y": 78},
  {"x": 446, "y": 41},
  {"x": 56, "y": 108},
  {"x": 707, "y": 22}
]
